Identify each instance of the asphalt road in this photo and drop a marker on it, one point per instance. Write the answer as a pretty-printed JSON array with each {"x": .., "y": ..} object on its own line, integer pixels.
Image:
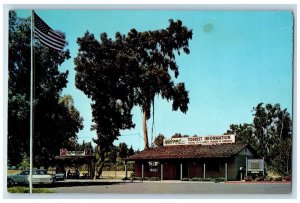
[{"x": 179, "y": 188}]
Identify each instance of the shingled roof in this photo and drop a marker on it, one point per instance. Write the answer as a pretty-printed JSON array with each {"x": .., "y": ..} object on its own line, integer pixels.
[{"x": 188, "y": 152}]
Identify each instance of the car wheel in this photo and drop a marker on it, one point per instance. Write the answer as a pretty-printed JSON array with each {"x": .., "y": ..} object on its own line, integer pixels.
[{"x": 10, "y": 182}]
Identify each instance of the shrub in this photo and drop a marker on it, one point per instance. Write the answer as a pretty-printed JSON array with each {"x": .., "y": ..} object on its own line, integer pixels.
[
  {"x": 136, "y": 178},
  {"x": 154, "y": 179},
  {"x": 145, "y": 178},
  {"x": 260, "y": 178},
  {"x": 248, "y": 179},
  {"x": 206, "y": 179},
  {"x": 269, "y": 178},
  {"x": 278, "y": 178},
  {"x": 220, "y": 179},
  {"x": 288, "y": 178},
  {"x": 196, "y": 179},
  {"x": 185, "y": 179}
]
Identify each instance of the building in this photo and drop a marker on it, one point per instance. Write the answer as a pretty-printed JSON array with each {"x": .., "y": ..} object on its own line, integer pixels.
[{"x": 187, "y": 158}]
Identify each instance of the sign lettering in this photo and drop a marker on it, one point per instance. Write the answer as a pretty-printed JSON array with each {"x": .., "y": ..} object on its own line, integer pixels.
[
  {"x": 65, "y": 152},
  {"x": 205, "y": 140}
]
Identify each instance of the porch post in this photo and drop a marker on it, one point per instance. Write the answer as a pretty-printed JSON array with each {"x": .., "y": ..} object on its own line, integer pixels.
[
  {"x": 161, "y": 171},
  {"x": 180, "y": 171},
  {"x": 142, "y": 170},
  {"x": 204, "y": 170},
  {"x": 246, "y": 166},
  {"x": 225, "y": 171},
  {"x": 126, "y": 170}
]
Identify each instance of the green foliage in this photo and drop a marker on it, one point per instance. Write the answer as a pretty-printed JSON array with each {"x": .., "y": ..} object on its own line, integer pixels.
[
  {"x": 200, "y": 179},
  {"x": 270, "y": 135},
  {"x": 123, "y": 150},
  {"x": 159, "y": 140},
  {"x": 260, "y": 178},
  {"x": 54, "y": 122},
  {"x": 177, "y": 135},
  {"x": 130, "y": 151},
  {"x": 146, "y": 178},
  {"x": 248, "y": 179},
  {"x": 25, "y": 162},
  {"x": 127, "y": 71},
  {"x": 269, "y": 178},
  {"x": 19, "y": 189},
  {"x": 278, "y": 178}
]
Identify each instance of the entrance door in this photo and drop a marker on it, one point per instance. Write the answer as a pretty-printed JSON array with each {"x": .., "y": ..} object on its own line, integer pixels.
[{"x": 184, "y": 170}]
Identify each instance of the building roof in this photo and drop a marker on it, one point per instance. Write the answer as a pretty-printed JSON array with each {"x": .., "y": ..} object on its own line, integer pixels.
[{"x": 188, "y": 152}]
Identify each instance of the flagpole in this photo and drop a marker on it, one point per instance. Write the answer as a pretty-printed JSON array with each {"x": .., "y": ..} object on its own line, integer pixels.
[{"x": 31, "y": 106}]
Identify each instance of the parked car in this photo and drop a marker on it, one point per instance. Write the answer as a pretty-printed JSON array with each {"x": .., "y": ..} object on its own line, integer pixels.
[
  {"x": 39, "y": 176},
  {"x": 59, "y": 176}
]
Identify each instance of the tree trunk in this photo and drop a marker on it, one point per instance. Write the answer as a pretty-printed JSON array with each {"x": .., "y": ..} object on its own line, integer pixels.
[
  {"x": 100, "y": 164},
  {"x": 145, "y": 130}
]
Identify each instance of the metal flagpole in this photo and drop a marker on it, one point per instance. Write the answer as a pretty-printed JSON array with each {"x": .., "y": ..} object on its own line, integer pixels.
[{"x": 31, "y": 106}]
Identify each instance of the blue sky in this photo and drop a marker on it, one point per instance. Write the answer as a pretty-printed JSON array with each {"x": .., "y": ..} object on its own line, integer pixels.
[{"x": 237, "y": 59}]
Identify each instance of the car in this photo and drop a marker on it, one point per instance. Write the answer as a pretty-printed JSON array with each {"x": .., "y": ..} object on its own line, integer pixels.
[
  {"x": 10, "y": 182},
  {"x": 39, "y": 176},
  {"x": 59, "y": 176}
]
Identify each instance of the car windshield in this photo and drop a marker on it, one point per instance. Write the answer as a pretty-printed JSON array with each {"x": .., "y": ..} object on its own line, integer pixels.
[{"x": 24, "y": 173}]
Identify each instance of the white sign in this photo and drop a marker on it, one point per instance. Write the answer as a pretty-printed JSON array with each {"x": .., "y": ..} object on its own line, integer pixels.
[
  {"x": 205, "y": 140},
  {"x": 65, "y": 152},
  {"x": 255, "y": 165}
]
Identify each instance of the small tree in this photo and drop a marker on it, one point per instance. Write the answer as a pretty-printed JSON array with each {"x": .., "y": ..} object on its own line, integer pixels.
[
  {"x": 159, "y": 140},
  {"x": 123, "y": 150}
]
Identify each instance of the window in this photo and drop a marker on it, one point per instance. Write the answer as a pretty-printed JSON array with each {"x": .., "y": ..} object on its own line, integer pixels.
[{"x": 153, "y": 166}]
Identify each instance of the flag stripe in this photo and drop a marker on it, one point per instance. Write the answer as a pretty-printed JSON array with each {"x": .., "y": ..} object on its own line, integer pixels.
[
  {"x": 55, "y": 37},
  {"x": 48, "y": 38},
  {"x": 47, "y": 41},
  {"x": 46, "y": 35}
]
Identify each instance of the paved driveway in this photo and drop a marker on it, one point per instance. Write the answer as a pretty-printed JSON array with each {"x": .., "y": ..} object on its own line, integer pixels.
[{"x": 183, "y": 189}]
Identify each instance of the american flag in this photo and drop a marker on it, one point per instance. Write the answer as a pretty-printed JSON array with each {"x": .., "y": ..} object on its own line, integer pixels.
[{"x": 46, "y": 35}]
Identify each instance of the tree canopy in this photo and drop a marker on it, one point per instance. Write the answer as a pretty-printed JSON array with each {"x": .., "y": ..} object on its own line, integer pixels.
[
  {"x": 129, "y": 71},
  {"x": 270, "y": 135},
  {"x": 54, "y": 122},
  {"x": 159, "y": 140}
]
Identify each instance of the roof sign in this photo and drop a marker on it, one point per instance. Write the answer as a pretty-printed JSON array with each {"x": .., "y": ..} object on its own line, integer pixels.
[{"x": 204, "y": 140}]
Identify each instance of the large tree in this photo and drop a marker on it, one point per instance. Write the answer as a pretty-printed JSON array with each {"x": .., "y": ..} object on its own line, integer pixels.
[
  {"x": 127, "y": 71},
  {"x": 155, "y": 52},
  {"x": 54, "y": 122},
  {"x": 270, "y": 135}
]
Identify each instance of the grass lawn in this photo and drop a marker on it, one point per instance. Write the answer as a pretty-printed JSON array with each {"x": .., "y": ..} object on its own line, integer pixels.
[{"x": 19, "y": 189}]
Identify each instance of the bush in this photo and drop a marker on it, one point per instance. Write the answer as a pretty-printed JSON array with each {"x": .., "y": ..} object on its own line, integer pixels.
[
  {"x": 196, "y": 179},
  {"x": 269, "y": 178},
  {"x": 206, "y": 179},
  {"x": 154, "y": 179},
  {"x": 136, "y": 178},
  {"x": 146, "y": 178},
  {"x": 260, "y": 178},
  {"x": 288, "y": 178},
  {"x": 278, "y": 178},
  {"x": 220, "y": 179},
  {"x": 248, "y": 179},
  {"x": 185, "y": 179}
]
